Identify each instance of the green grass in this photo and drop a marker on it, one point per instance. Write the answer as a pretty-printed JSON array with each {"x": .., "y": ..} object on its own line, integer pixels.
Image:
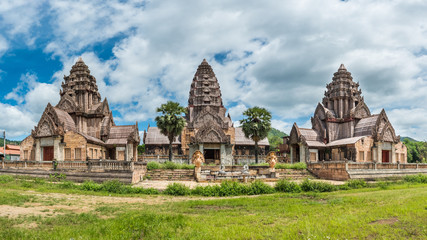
[
  {"x": 168, "y": 165},
  {"x": 352, "y": 214}
]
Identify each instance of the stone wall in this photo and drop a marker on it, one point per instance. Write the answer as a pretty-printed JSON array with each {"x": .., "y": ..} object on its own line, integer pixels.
[
  {"x": 330, "y": 170},
  {"x": 129, "y": 172},
  {"x": 346, "y": 170},
  {"x": 27, "y": 150},
  {"x": 170, "y": 174}
]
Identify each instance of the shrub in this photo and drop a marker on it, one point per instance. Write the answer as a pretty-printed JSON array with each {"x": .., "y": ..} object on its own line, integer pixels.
[
  {"x": 6, "y": 178},
  {"x": 311, "y": 186},
  {"x": 140, "y": 190},
  {"x": 186, "y": 166},
  {"x": 114, "y": 186},
  {"x": 170, "y": 165},
  {"x": 207, "y": 191},
  {"x": 231, "y": 188},
  {"x": 67, "y": 185},
  {"x": 297, "y": 166},
  {"x": 153, "y": 165},
  {"x": 354, "y": 184},
  {"x": 419, "y": 178},
  {"x": 177, "y": 189},
  {"x": 259, "y": 187},
  {"x": 287, "y": 186},
  {"x": 383, "y": 184},
  {"x": 90, "y": 186}
]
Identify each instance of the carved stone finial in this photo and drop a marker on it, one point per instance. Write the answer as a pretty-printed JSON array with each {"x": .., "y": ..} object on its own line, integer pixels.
[
  {"x": 271, "y": 159},
  {"x": 198, "y": 159}
]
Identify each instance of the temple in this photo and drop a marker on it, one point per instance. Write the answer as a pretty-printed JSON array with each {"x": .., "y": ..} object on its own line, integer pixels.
[
  {"x": 80, "y": 126},
  {"x": 343, "y": 128},
  {"x": 208, "y": 128}
]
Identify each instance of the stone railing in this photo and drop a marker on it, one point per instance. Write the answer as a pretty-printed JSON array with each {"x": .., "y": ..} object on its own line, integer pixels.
[
  {"x": 164, "y": 158},
  {"x": 90, "y": 165},
  {"x": 338, "y": 170}
]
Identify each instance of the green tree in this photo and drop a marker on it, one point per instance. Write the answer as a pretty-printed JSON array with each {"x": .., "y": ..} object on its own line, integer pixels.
[
  {"x": 256, "y": 125},
  {"x": 141, "y": 149},
  {"x": 170, "y": 122}
]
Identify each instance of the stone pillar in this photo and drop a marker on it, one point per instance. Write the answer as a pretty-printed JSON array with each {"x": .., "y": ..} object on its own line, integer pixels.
[
  {"x": 380, "y": 153},
  {"x": 341, "y": 108},
  {"x": 346, "y": 106},
  {"x": 292, "y": 154},
  {"x": 301, "y": 153},
  {"x": 336, "y": 106},
  {"x": 393, "y": 154},
  {"x": 38, "y": 154}
]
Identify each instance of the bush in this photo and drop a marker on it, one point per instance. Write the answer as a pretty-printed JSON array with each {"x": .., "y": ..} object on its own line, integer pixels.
[
  {"x": 90, "y": 186},
  {"x": 354, "y": 184},
  {"x": 153, "y": 165},
  {"x": 311, "y": 186},
  {"x": 168, "y": 165},
  {"x": 419, "y": 178},
  {"x": 140, "y": 190},
  {"x": 114, "y": 186},
  {"x": 177, "y": 189},
  {"x": 287, "y": 186},
  {"x": 297, "y": 166},
  {"x": 6, "y": 178},
  {"x": 67, "y": 185},
  {"x": 259, "y": 187}
]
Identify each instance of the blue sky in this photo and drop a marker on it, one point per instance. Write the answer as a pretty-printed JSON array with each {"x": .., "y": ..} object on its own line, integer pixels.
[{"x": 276, "y": 54}]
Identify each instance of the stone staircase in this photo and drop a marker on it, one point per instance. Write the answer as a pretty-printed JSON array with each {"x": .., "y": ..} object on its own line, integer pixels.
[
  {"x": 383, "y": 173},
  {"x": 170, "y": 174},
  {"x": 293, "y": 174}
]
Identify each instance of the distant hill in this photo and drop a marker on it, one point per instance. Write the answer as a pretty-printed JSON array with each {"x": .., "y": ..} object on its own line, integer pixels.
[
  {"x": 275, "y": 137},
  {"x": 409, "y": 138},
  {"x": 10, "y": 142}
]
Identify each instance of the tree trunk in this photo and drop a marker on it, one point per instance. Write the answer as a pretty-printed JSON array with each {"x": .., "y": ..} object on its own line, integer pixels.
[
  {"x": 256, "y": 152},
  {"x": 170, "y": 149}
]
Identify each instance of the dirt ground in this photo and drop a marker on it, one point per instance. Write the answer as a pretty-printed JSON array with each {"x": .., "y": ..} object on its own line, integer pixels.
[{"x": 51, "y": 204}]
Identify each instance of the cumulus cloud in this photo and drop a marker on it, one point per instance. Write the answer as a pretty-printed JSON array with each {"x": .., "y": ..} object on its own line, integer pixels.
[{"x": 273, "y": 54}]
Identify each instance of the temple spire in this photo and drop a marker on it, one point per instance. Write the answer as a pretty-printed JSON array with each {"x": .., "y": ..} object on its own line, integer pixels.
[{"x": 342, "y": 68}]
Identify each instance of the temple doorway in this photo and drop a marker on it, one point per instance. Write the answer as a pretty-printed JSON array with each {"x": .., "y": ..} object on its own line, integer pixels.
[
  {"x": 386, "y": 156},
  {"x": 295, "y": 149},
  {"x": 212, "y": 156},
  {"x": 47, "y": 153}
]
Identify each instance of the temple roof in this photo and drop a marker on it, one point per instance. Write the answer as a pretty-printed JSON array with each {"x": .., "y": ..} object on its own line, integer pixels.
[
  {"x": 153, "y": 136},
  {"x": 65, "y": 119},
  {"x": 240, "y": 139},
  {"x": 365, "y": 126},
  {"x": 310, "y": 134}
]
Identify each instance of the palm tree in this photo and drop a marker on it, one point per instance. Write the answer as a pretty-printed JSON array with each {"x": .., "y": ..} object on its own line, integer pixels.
[
  {"x": 171, "y": 123},
  {"x": 256, "y": 125}
]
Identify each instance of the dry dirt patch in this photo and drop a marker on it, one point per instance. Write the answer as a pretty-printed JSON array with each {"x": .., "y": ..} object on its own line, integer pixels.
[
  {"x": 385, "y": 221},
  {"x": 52, "y": 204}
]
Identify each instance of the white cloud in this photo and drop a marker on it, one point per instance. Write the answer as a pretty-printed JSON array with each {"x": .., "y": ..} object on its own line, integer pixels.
[
  {"x": 278, "y": 55},
  {"x": 15, "y": 121}
]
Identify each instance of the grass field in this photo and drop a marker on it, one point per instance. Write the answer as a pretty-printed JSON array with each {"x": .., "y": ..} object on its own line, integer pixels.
[{"x": 36, "y": 210}]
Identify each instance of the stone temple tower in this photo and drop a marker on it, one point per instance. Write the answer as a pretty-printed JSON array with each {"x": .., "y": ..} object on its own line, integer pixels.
[
  {"x": 81, "y": 100},
  {"x": 205, "y": 94},
  {"x": 342, "y": 94}
]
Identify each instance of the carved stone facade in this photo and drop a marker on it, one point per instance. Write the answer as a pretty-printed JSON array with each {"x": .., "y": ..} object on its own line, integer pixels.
[
  {"x": 80, "y": 126},
  {"x": 208, "y": 129},
  {"x": 343, "y": 128}
]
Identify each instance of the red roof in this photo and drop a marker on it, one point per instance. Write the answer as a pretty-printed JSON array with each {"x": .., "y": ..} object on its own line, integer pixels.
[
  {"x": 11, "y": 150},
  {"x": 12, "y": 147}
]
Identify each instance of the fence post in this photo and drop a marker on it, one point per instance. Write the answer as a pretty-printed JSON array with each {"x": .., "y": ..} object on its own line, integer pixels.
[
  {"x": 375, "y": 166},
  {"x": 346, "y": 166}
]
